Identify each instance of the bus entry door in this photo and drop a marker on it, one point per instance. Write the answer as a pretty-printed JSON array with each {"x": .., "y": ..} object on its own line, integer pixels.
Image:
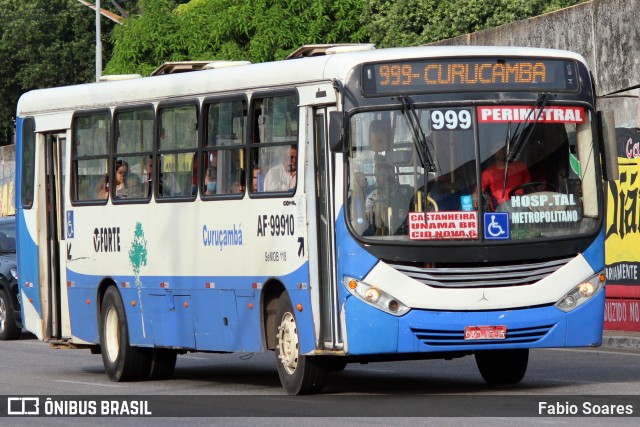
[
  {"x": 324, "y": 187},
  {"x": 53, "y": 281}
]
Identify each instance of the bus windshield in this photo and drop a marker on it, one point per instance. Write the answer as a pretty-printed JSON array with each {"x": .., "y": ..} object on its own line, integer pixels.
[{"x": 526, "y": 171}]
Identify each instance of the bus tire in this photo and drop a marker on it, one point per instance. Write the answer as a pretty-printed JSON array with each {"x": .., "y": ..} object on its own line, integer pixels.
[
  {"x": 299, "y": 374},
  {"x": 502, "y": 366},
  {"x": 161, "y": 364},
  {"x": 122, "y": 362},
  {"x": 8, "y": 328},
  {"x": 333, "y": 363}
]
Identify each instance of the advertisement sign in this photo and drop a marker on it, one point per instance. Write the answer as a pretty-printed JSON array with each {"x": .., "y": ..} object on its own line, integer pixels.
[{"x": 622, "y": 244}]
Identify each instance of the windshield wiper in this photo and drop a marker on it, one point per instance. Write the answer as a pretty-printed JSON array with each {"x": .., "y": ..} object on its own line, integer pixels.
[
  {"x": 523, "y": 137},
  {"x": 520, "y": 143},
  {"x": 422, "y": 147},
  {"x": 419, "y": 138}
]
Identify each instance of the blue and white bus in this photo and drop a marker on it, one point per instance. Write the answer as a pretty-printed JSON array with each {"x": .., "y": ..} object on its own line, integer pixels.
[{"x": 360, "y": 205}]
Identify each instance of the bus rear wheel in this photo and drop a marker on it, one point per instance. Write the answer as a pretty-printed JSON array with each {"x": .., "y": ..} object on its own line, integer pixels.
[
  {"x": 161, "y": 364},
  {"x": 121, "y": 361},
  {"x": 299, "y": 374},
  {"x": 502, "y": 366}
]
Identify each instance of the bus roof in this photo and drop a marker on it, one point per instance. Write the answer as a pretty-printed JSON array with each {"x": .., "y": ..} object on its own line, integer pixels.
[{"x": 249, "y": 77}]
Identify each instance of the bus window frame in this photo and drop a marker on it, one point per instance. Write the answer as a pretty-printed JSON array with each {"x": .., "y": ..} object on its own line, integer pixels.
[
  {"x": 32, "y": 165},
  {"x": 74, "y": 157},
  {"x": 205, "y": 149},
  {"x": 158, "y": 152},
  {"x": 255, "y": 146},
  {"x": 115, "y": 155}
]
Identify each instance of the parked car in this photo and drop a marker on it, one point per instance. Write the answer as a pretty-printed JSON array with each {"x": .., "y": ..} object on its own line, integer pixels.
[{"x": 10, "y": 317}]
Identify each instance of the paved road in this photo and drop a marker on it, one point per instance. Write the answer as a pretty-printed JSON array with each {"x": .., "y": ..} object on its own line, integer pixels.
[{"x": 233, "y": 384}]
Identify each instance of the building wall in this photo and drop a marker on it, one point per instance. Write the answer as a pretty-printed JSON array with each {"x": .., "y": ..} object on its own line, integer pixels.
[
  {"x": 599, "y": 30},
  {"x": 7, "y": 180}
]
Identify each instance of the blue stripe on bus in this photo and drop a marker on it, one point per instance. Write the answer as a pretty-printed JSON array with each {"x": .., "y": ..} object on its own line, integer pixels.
[
  {"x": 352, "y": 259},
  {"x": 187, "y": 314},
  {"x": 594, "y": 254},
  {"x": 28, "y": 265}
]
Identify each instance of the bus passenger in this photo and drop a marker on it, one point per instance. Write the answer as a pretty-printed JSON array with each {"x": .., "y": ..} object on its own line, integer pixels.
[
  {"x": 102, "y": 189},
  {"x": 135, "y": 186},
  {"x": 381, "y": 199},
  {"x": 282, "y": 177},
  {"x": 493, "y": 179},
  {"x": 255, "y": 175},
  {"x": 237, "y": 187},
  {"x": 147, "y": 183},
  {"x": 122, "y": 169},
  {"x": 210, "y": 182}
]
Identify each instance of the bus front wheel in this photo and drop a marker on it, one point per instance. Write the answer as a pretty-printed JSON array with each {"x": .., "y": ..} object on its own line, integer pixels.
[
  {"x": 299, "y": 374},
  {"x": 122, "y": 362},
  {"x": 502, "y": 366}
]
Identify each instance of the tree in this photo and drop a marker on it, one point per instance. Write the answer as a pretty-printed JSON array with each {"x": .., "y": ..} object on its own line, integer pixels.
[
  {"x": 43, "y": 43},
  {"x": 255, "y": 30},
  {"x": 413, "y": 22}
]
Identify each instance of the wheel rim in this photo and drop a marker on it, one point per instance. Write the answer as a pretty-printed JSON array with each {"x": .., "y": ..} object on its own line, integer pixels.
[
  {"x": 3, "y": 315},
  {"x": 288, "y": 343},
  {"x": 112, "y": 334}
]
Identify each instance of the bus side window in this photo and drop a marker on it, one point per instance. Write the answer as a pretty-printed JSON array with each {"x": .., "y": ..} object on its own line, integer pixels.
[
  {"x": 91, "y": 135},
  {"x": 224, "y": 153},
  {"x": 275, "y": 143},
  {"x": 177, "y": 144},
  {"x": 132, "y": 151}
]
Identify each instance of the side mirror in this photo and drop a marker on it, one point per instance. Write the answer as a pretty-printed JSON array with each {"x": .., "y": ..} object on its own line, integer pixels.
[
  {"x": 336, "y": 132},
  {"x": 609, "y": 146}
]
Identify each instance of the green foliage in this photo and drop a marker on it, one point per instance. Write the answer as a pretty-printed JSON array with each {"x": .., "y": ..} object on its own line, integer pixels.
[
  {"x": 145, "y": 38},
  {"x": 412, "y": 22},
  {"x": 46, "y": 43},
  {"x": 43, "y": 43},
  {"x": 254, "y": 30}
]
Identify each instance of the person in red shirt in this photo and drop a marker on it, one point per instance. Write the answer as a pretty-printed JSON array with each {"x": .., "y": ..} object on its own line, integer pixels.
[{"x": 493, "y": 182}]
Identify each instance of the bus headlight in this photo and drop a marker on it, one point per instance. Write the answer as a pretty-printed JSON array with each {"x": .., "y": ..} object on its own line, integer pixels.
[
  {"x": 581, "y": 293},
  {"x": 375, "y": 297}
]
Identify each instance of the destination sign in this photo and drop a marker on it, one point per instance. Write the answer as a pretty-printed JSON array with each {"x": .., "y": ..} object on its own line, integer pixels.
[{"x": 474, "y": 74}]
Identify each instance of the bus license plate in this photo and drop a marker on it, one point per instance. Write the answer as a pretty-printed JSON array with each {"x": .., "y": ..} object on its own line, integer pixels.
[{"x": 485, "y": 332}]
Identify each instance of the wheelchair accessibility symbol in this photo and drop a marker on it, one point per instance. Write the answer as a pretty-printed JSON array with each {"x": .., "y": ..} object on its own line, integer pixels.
[{"x": 496, "y": 225}]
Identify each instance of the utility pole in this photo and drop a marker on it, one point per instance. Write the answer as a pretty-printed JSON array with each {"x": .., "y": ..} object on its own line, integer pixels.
[
  {"x": 114, "y": 17},
  {"x": 98, "y": 43}
]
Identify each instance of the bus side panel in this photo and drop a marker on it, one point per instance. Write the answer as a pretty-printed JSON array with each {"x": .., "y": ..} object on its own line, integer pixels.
[
  {"x": 28, "y": 274},
  {"x": 582, "y": 323},
  {"x": 84, "y": 315},
  {"x": 215, "y": 320},
  {"x": 369, "y": 330},
  {"x": 304, "y": 318},
  {"x": 27, "y": 251},
  {"x": 352, "y": 260},
  {"x": 168, "y": 313},
  {"x": 595, "y": 253},
  {"x": 247, "y": 305},
  {"x": 203, "y": 319}
]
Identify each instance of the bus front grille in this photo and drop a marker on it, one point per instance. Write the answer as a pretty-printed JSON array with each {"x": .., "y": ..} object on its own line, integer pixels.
[
  {"x": 439, "y": 338},
  {"x": 481, "y": 276}
]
